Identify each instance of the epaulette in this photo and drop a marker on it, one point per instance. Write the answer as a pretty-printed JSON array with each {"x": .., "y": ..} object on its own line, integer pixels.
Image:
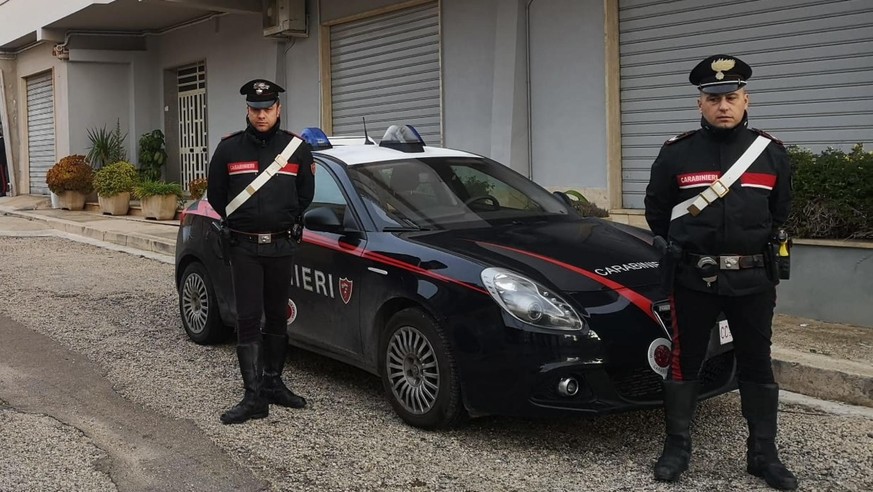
[
  {"x": 231, "y": 134},
  {"x": 292, "y": 134},
  {"x": 765, "y": 134},
  {"x": 680, "y": 137}
]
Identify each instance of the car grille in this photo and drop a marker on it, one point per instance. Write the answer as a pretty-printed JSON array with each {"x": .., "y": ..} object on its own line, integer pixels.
[{"x": 642, "y": 384}]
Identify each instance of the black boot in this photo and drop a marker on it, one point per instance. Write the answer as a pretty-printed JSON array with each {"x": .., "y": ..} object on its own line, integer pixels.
[
  {"x": 253, "y": 404},
  {"x": 760, "y": 403},
  {"x": 680, "y": 400},
  {"x": 275, "y": 391}
]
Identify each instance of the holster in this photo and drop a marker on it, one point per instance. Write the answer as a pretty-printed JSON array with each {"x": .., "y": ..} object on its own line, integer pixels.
[
  {"x": 671, "y": 253},
  {"x": 771, "y": 262},
  {"x": 296, "y": 232},
  {"x": 224, "y": 240}
]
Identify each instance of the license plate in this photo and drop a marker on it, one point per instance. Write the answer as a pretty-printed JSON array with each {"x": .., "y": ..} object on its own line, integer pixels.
[{"x": 724, "y": 332}]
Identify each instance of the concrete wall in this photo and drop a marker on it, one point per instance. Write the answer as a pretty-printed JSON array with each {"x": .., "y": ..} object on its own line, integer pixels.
[
  {"x": 9, "y": 120},
  {"x": 92, "y": 109},
  {"x": 234, "y": 51},
  {"x": 568, "y": 108},
  {"x": 829, "y": 283}
]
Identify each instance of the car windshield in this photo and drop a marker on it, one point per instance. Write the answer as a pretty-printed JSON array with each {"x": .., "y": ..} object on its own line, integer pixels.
[{"x": 449, "y": 192}]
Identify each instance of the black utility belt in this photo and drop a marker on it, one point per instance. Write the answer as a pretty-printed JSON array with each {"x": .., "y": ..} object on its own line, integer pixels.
[
  {"x": 260, "y": 238},
  {"x": 726, "y": 262}
]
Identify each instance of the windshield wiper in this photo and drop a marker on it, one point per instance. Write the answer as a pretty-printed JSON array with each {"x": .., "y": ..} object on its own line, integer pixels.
[{"x": 404, "y": 228}]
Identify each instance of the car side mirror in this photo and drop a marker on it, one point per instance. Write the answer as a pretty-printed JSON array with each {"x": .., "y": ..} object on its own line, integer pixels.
[
  {"x": 322, "y": 219},
  {"x": 564, "y": 198}
]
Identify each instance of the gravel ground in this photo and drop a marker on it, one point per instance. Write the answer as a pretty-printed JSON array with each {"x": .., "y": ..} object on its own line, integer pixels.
[{"x": 120, "y": 311}]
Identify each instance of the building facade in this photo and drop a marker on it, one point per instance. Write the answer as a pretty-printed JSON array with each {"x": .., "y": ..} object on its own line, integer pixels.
[{"x": 576, "y": 94}]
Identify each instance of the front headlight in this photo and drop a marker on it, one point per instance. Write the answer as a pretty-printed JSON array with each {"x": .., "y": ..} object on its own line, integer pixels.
[{"x": 530, "y": 302}]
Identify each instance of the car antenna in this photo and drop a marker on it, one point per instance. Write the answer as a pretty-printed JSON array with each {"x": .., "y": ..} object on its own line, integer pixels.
[{"x": 367, "y": 140}]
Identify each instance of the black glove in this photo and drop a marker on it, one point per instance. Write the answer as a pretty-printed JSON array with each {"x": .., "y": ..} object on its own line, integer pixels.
[{"x": 297, "y": 230}]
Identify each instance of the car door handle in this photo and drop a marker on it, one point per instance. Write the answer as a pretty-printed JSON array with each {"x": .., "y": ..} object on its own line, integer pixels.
[{"x": 378, "y": 270}]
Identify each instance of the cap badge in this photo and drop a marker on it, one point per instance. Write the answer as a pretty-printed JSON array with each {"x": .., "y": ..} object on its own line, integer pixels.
[
  {"x": 260, "y": 87},
  {"x": 722, "y": 65}
]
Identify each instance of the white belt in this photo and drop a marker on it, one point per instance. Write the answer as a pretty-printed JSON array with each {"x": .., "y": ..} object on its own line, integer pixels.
[
  {"x": 720, "y": 187},
  {"x": 278, "y": 163}
]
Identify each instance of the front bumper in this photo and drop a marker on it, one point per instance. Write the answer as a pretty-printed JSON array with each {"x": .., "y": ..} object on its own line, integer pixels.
[{"x": 518, "y": 371}]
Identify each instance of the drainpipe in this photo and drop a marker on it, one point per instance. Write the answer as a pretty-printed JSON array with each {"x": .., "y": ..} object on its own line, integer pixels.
[{"x": 529, "y": 118}]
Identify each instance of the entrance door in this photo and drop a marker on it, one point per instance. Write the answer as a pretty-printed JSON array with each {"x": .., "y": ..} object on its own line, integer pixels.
[
  {"x": 193, "y": 153},
  {"x": 40, "y": 130}
]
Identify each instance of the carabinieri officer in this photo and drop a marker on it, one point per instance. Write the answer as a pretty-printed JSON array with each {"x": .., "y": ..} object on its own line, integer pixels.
[
  {"x": 719, "y": 194},
  {"x": 263, "y": 231}
]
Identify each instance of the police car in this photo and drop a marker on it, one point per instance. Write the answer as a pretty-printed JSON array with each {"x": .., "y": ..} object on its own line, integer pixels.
[{"x": 467, "y": 288}]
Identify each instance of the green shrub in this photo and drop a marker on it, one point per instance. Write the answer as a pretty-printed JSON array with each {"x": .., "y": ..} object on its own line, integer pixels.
[
  {"x": 106, "y": 146},
  {"x": 154, "y": 188},
  {"x": 115, "y": 178},
  {"x": 833, "y": 194},
  {"x": 583, "y": 206},
  {"x": 71, "y": 173},
  {"x": 152, "y": 155}
]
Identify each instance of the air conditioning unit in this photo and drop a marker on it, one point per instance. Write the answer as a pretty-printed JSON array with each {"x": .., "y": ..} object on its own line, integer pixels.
[{"x": 285, "y": 18}]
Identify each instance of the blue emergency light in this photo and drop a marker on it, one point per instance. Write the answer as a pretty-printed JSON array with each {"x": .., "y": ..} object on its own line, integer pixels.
[
  {"x": 316, "y": 138},
  {"x": 402, "y": 137}
]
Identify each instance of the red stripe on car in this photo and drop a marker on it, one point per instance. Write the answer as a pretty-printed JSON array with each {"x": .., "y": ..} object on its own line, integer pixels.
[{"x": 319, "y": 240}]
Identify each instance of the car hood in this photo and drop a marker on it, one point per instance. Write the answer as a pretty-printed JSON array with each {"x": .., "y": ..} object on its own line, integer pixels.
[{"x": 573, "y": 255}]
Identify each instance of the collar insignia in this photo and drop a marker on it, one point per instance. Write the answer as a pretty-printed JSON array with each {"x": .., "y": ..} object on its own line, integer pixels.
[{"x": 722, "y": 65}]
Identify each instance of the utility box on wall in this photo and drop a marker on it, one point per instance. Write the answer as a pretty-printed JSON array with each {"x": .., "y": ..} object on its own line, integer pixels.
[{"x": 285, "y": 18}]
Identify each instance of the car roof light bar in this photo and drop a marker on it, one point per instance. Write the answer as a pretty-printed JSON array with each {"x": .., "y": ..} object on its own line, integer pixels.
[
  {"x": 316, "y": 138},
  {"x": 404, "y": 138}
]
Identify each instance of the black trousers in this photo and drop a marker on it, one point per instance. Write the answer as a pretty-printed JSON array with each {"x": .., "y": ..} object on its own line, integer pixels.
[
  {"x": 750, "y": 319},
  {"x": 260, "y": 285}
]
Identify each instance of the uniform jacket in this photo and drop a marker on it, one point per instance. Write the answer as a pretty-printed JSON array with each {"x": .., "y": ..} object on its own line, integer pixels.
[
  {"x": 740, "y": 223},
  {"x": 238, "y": 160}
]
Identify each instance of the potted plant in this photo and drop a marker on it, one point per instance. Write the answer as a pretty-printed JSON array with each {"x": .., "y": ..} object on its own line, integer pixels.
[
  {"x": 72, "y": 179},
  {"x": 152, "y": 155},
  {"x": 197, "y": 188},
  {"x": 113, "y": 184},
  {"x": 106, "y": 146},
  {"x": 160, "y": 199}
]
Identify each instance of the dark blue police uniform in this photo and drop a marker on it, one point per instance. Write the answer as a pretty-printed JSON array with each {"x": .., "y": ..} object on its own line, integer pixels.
[
  {"x": 263, "y": 233},
  {"x": 720, "y": 261}
]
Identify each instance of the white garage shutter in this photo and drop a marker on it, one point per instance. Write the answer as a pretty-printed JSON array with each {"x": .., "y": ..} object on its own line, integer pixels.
[
  {"x": 812, "y": 84},
  {"x": 40, "y": 130},
  {"x": 386, "y": 68}
]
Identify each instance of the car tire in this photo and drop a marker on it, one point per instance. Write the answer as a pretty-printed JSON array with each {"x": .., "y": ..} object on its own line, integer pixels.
[
  {"x": 419, "y": 372},
  {"x": 198, "y": 307}
]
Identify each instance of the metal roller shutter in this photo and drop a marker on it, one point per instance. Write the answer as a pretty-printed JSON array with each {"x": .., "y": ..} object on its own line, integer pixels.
[
  {"x": 387, "y": 68},
  {"x": 812, "y": 84},
  {"x": 40, "y": 130}
]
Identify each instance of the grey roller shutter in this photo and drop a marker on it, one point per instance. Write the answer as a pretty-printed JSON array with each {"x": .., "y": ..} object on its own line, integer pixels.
[
  {"x": 812, "y": 84},
  {"x": 387, "y": 68},
  {"x": 40, "y": 130}
]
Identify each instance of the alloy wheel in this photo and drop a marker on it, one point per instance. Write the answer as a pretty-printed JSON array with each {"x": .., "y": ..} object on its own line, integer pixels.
[
  {"x": 195, "y": 303},
  {"x": 413, "y": 370}
]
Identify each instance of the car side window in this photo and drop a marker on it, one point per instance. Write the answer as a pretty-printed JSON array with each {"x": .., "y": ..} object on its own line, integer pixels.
[{"x": 328, "y": 193}]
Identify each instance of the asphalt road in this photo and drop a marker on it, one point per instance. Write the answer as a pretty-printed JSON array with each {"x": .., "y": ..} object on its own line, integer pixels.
[{"x": 101, "y": 390}]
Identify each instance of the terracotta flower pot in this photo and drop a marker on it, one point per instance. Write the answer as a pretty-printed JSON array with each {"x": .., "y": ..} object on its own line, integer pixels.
[
  {"x": 71, "y": 200},
  {"x": 160, "y": 207},
  {"x": 118, "y": 204}
]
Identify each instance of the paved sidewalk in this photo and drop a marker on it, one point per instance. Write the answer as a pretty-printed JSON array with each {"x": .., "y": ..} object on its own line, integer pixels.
[{"x": 824, "y": 360}]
